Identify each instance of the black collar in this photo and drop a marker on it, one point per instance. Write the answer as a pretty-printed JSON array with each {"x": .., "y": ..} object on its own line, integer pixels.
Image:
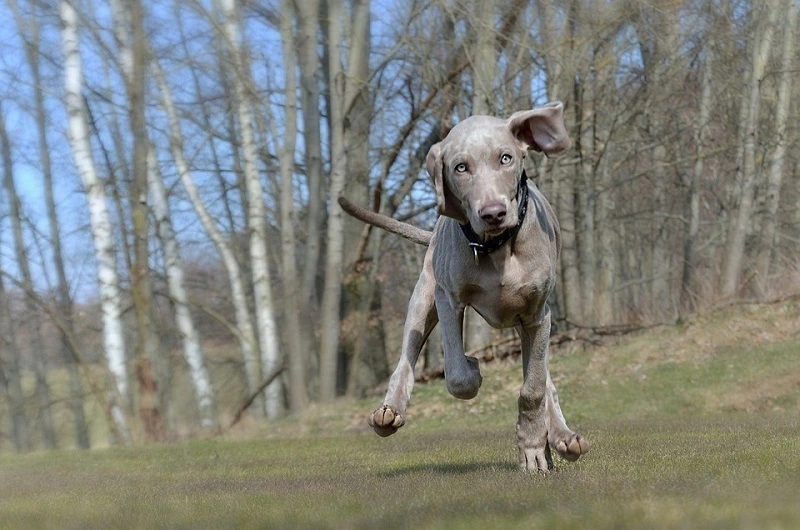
[{"x": 493, "y": 243}]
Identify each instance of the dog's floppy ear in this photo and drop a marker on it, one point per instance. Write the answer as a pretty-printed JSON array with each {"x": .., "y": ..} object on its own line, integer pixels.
[
  {"x": 448, "y": 204},
  {"x": 541, "y": 129}
]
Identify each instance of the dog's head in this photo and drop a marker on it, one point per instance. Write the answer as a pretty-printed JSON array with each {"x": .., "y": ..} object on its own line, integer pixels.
[{"x": 477, "y": 168}]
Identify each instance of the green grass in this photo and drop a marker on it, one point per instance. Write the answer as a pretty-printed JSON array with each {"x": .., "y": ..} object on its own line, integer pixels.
[{"x": 692, "y": 427}]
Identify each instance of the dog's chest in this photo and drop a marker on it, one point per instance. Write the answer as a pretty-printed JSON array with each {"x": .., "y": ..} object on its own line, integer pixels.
[{"x": 505, "y": 291}]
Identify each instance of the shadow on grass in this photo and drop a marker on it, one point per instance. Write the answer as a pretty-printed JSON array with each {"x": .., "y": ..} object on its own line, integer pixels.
[{"x": 451, "y": 468}]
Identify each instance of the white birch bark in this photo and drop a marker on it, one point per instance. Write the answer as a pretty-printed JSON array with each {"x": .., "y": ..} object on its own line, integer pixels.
[
  {"x": 102, "y": 237},
  {"x": 246, "y": 333},
  {"x": 259, "y": 264},
  {"x": 200, "y": 378}
]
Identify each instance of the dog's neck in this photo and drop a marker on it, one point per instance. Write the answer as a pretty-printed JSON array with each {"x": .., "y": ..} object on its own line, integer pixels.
[{"x": 493, "y": 243}]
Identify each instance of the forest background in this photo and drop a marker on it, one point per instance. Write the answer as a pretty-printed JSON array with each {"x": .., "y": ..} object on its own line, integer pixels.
[{"x": 170, "y": 243}]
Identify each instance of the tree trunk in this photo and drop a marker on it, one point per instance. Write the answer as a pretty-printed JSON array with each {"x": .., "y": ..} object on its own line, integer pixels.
[
  {"x": 658, "y": 56},
  {"x": 39, "y": 355},
  {"x": 330, "y": 318},
  {"x": 110, "y": 300},
  {"x": 584, "y": 193},
  {"x": 309, "y": 63},
  {"x": 82, "y": 440},
  {"x": 766, "y": 243},
  {"x": 147, "y": 352},
  {"x": 484, "y": 66},
  {"x": 199, "y": 376},
  {"x": 291, "y": 288},
  {"x": 244, "y": 326},
  {"x": 604, "y": 307},
  {"x": 192, "y": 350},
  {"x": 9, "y": 365},
  {"x": 267, "y": 331},
  {"x": 358, "y": 304},
  {"x": 733, "y": 260},
  {"x": 30, "y": 30},
  {"x": 689, "y": 289},
  {"x": 342, "y": 95}
]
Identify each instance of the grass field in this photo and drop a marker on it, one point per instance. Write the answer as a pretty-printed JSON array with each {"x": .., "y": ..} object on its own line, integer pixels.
[{"x": 692, "y": 427}]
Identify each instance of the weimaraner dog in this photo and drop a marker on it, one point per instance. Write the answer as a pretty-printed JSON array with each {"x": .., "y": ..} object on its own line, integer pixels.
[{"x": 485, "y": 252}]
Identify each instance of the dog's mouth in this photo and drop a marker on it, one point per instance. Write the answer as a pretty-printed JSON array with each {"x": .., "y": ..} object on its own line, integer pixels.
[
  {"x": 494, "y": 232},
  {"x": 486, "y": 231}
]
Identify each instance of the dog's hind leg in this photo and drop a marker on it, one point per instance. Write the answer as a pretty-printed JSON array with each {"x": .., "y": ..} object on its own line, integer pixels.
[
  {"x": 568, "y": 444},
  {"x": 420, "y": 321},
  {"x": 541, "y": 425}
]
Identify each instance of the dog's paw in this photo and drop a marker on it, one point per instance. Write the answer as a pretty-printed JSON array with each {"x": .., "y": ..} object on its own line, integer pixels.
[
  {"x": 534, "y": 450},
  {"x": 386, "y": 420},
  {"x": 571, "y": 448},
  {"x": 465, "y": 383},
  {"x": 535, "y": 459}
]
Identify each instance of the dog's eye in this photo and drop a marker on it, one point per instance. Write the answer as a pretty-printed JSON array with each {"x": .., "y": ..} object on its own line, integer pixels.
[
  {"x": 505, "y": 159},
  {"x": 461, "y": 168}
]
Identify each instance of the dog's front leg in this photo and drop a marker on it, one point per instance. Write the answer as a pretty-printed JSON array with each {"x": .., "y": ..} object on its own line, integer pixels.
[
  {"x": 420, "y": 321},
  {"x": 534, "y": 422},
  {"x": 461, "y": 373}
]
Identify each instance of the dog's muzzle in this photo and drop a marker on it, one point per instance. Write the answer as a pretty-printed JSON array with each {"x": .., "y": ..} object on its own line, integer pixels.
[{"x": 493, "y": 243}]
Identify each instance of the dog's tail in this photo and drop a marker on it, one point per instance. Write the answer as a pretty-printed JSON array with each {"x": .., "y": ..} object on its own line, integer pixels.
[{"x": 402, "y": 229}]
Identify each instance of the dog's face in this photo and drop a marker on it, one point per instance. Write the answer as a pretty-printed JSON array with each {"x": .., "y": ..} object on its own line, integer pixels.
[{"x": 476, "y": 169}]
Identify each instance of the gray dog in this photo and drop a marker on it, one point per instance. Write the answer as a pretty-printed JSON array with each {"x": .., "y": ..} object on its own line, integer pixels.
[{"x": 494, "y": 248}]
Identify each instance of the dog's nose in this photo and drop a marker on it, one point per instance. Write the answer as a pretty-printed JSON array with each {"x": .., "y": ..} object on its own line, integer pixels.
[{"x": 493, "y": 213}]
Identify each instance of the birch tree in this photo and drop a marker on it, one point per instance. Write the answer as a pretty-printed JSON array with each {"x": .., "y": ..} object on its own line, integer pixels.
[
  {"x": 108, "y": 282},
  {"x": 133, "y": 49},
  {"x": 267, "y": 332},
  {"x": 147, "y": 351},
  {"x": 244, "y": 326},
  {"x": 179, "y": 298}
]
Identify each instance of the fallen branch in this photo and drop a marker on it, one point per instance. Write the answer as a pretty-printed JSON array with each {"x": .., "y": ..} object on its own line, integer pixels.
[
  {"x": 278, "y": 370},
  {"x": 510, "y": 346}
]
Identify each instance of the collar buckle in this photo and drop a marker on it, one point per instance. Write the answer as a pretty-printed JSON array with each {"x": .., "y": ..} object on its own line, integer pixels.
[{"x": 476, "y": 248}]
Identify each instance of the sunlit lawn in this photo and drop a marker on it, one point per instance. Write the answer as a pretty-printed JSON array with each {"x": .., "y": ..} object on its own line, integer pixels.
[
  {"x": 727, "y": 471},
  {"x": 681, "y": 439}
]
